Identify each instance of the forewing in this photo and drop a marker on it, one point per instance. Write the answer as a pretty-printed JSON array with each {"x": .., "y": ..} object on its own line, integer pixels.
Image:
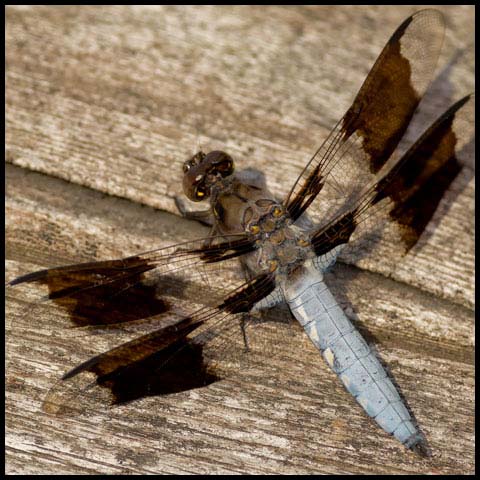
[
  {"x": 364, "y": 139},
  {"x": 120, "y": 291}
]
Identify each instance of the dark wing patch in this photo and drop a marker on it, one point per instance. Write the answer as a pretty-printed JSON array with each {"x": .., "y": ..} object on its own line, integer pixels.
[
  {"x": 138, "y": 368},
  {"x": 412, "y": 189},
  {"x": 335, "y": 234},
  {"x": 101, "y": 293},
  {"x": 243, "y": 300},
  {"x": 417, "y": 183},
  {"x": 374, "y": 124},
  {"x": 384, "y": 106}
]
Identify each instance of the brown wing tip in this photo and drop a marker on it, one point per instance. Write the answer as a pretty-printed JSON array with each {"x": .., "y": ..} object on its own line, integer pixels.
[{"x": 29, "y": 277}]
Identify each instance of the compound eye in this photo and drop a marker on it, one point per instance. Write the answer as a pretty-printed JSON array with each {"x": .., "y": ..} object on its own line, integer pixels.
[
  {"x": 219, "y": 162},
  {"x": 186, "y": 167},
  {"x": 226, "y": 168}
]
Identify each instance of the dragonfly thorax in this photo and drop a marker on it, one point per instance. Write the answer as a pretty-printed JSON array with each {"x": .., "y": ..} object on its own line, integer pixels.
[{"x": 282, "y": 246}]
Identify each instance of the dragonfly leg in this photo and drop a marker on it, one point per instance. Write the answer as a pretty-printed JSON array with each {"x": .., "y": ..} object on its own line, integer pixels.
[
  {"x": 243, "y": 328},
  {"x": 213, "y": 233},
  {"x": 205, "y": 217}
]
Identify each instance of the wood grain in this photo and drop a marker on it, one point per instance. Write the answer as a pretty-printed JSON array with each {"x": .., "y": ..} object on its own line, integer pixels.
[{"x": 105, "y": 103}]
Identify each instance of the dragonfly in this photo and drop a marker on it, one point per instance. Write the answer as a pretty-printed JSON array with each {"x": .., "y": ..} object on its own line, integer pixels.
[{"x": 354, "y": 185}]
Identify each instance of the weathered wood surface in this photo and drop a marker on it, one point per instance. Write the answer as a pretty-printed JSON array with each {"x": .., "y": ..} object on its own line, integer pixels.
[{"x": 111, "y": 101}]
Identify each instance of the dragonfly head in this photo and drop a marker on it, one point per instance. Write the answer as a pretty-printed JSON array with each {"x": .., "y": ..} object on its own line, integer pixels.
[{"x": 202, "y": 171}]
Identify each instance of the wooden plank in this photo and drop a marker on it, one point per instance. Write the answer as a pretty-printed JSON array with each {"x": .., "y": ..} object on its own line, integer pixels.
[
  {"x": 285, "y": 414},
  {"x": 111, "y": 99}
]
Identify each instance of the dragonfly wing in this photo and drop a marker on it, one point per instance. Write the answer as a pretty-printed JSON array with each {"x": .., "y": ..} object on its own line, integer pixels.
[
  {"x": 186, "y": 354},
  {"x": 408, "y": 194},
  {"x": 364, "y": 139},
  {"x": 141, "y": 286}
]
